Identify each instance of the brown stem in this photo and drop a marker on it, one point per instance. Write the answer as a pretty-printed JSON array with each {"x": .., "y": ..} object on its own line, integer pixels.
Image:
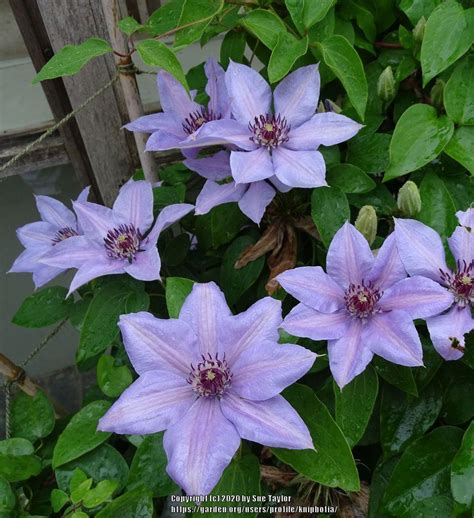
[{"x": 15, "y": 374}]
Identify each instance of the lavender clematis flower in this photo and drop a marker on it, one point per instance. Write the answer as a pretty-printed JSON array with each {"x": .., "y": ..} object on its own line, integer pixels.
[
  {"x": 182, "y": 116},
  {"x": 283, "y": 143},
  {"x": 362, "y": 305},
  {"x": 208, "y": 379},
  {"x": 58, "y": 223},
  {"x": 117, "y": 240},
  {"x": 422, "y": 253}
]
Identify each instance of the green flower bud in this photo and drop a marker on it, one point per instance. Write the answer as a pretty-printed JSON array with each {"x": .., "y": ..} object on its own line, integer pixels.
[
  {"x": 409, "y": 200},
  {"x": 436, "y": 93},
  {"x": 419, "y": 30},
  {"x": 366, "y": 223},
  {"x": 386, "y": 85}
]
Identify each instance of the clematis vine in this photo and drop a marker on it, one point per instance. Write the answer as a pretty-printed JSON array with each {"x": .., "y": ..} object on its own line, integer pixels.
[
  {"x": 57, "y": 224},
  {"x": 118, "y": 240},
  {"x": 422, "y": 253},
  {"x": 210, "y": 378},
  {"x": 362, "y": 305}
]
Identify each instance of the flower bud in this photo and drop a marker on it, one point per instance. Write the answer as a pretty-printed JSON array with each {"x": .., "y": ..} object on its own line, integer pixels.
[
  {"x": 436, "y": 93},
  {"x": 408, "y": 200},
  {"x": 386, "y": 86},
  {"x": 366, "y": 223},
  {"x": 419, "y": 30}
]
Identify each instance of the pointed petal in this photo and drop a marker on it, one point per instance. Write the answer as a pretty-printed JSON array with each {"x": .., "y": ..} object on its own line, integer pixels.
[
  {"x": 83, "y": 195},
  {"x": 200, "y": 446},
  {"x": 43, "y": 273},
  {"x": 279, "y": 186},
  {"x": 37, "y": 234},
  {"x": 71, "y": 253},
  {"x": 349, "y": 356},
  {"x": 27, "y": 261},
  {"x": 214, "y": 194},
  {"x": 349, "y": 259},
  {"x": 420, "y": 248},
  {"x": 418, "y": 296},
  {"x": 167, "y": 122},
  {"x": 257, "y": 198},
  {"x": 173, "y": 96},
  {"x": 167, "y": 217},
  {"x": 154, "y": 402},
  {"x": 449, "y": 330},
  {"x": 308, "y": 323},
  {"x": 134, "y": 204},
  {"x": 312, "y": 286},
  {"x": 55, "y": 212},
  {"x": 273, "y": 422},
  {"x": 249, "y": 93},
  {"x": 296, "y": 97},
  {"x": 94, "y": 268},
  {"x": 163, "y": 141},
  {"x": 461, "y": 244},
  {"x": 388, "y": 267},
  {"x": 215, "y": 167},
  {"x": 94, "y": 219},
  {"x": 267, "y": 368},
  {"x": 394, "y": 337},
  {"x": 221, "y": 132},
  {"x": 158, "y": 344},
  {"x": 466, "y": 218},
  {"x": 215, "y": 88},
  {"x": 299, "y": 168},
  {"x": 146, "y": 266},
  {"x": 251, "y": 166}
]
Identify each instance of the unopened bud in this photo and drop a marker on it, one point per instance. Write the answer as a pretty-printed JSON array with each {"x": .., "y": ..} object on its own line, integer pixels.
[
  {"x": 436, "y": 93},
  {"x": 419, "y": 30},
  {"x": 366, "y": 223},
  {"x": 409, "y": 200},
  {"x": 328, "y": 106},
  {"x": 386, "y": 85}
]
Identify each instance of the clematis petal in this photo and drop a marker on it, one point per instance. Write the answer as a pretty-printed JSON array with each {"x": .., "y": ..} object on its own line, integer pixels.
[
  {"x": 219, "y": 101},
  {"x": 418, "y": 296},
  {"x": 163, "y": 141},
  {"x": 200, "y": 446},
  {"x": 258, "y": 324},
  {"x": 279, "y": 185},
  {"x": 167, "y": 217},
  {"x": 349, "y": 355},
  {"x": 84, "y": 194},
  {"x": 273, "y": 422},
  {"x": 173, "y": 96},
  {"x": 55, "y": 212},
  {"x": 448, "y": 331},
  {"x": 296, "y": 97},
  {"x": 466, "y": 218},
  {"x": 44, "y": 273},
  {"x": 205, "y": 310},
  {"x": 249, "y": 93},
  {"x": 39, "y": 233},
  {"x": 154, "y": 402},
  {"x": 167, "y": 122},
  {"x": 27, "y": 261},
  {"x": 134, "y": 204},
  {"x": 94, "y": 219},
  {"x": 307, "y": 322},
  {"x": 251, "y": 166},
  {"x": 158, "y": 344},
  {"x": 72, "y": 253},
  {"x": 394, "y": 337},
  {"x": 215, "y": 167},
  {"x": 98, "y": 267},
  {"x": 312, "y": 286},
  {"x": 420, "y": 249},
  {"x": 299, "y": 168},
  {"x": 267, "y": 368},
  {"x": 461, "y": 244},
  {"x": 146, "y": 266},
  {"x": 221, "y": 132},
  {"x": 349, "y": 259},
  {"x": 214, "y": 194},
  {"x": 257, "y": 198},
  {"x": 388, "y": 267}
]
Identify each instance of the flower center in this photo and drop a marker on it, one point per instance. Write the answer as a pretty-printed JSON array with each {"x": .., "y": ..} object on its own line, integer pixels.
[
  {"x": 123, "y": 242},
  {"x": 461, "y": 283},
  {"x": 196, "y": 119},
  {"x": 269, "y": 130},
  {"x": 211, "y": 377},
  {"x": 62, "y": 234},
  {"x": 361, "y": 299}
]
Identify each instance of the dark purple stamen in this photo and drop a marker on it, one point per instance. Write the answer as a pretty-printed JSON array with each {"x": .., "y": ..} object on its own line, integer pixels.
[
  {"x": 269, "y": 130},
  {"x": 361, "y": 299},
  {"x": 123, "y": 242},
  {"x": 211, "y": 377},
  {"x": 196, "y": 119},
  {"x": 461, "y": 283},
  {"x": 62, "y": 234}
]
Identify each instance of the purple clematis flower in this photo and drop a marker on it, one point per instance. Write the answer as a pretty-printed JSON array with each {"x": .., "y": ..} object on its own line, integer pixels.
[
  {"x": 117, "y": 240},
  {"x": 58, "y": 223},
  {"x": 362, "y": 305},
  {"x": 208, "y": 379},
  {"x": 422, "y": 253},
  {"x": 182, "y": 116},
  {"x": 282, "y": 143}
]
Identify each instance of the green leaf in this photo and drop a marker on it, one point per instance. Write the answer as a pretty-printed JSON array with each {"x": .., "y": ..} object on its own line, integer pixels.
[
  {"x": 396, "y": 375},
  {"x": 369, "y": 152},
  {"x": 415, "y": 9},
  {"x": 59, "y": 499},
  {"x": 71, "y": 58},
  {"x": 461, "y": 146},
  {"x": 349, "y": 178},
  {"x": 340, "y": 56},
  {"x": 165, "y": 18},
  {"x": 99, "y": 494},
  {"x": 329, "y": 210},
  {"x": 219, "y": 226},
  {"x": 314, "y": 12},
  {"x": 7, "y": 496},
  {"x": 78, "y": 491},
  {"x": 32, "y": 417},
  {"x": 287, "y": 50},
  {"x": 232, "y": 47},
  {"x": 380, "y": 198},
  {"x": 458, "y": 405},
  {"x": 129, "y": 25},
  {"x": 43, "y": 308},
  {"x": 17, "y": 461},
  {"x": 380, "y": 479},
  {"x": 433, "y": 507},
  {"x": 157, "y": 54},
  {"x": 265, "y": 26},
  {"x": 462, "y": 470},
  {"x": 112, "y": 380},
  {"x": 459, "y": 93},
  {"x": 137, "y": 503},
  {"x": 168, "y": 195},
  {"x": 80, "y": 435},
  {"x": 177, "y": 289},
  {"x": 355, "y": 403},
  {"x": 148, "y": 467},
  {"x": 236, "y": 282},
  {"x": 331, "y": 463},
  {"x": 404, "y": 419},
  {"x": 419, "y": 137},
  {"x": 423, "y": 470},
  {"x": 196, "y": 15}
]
